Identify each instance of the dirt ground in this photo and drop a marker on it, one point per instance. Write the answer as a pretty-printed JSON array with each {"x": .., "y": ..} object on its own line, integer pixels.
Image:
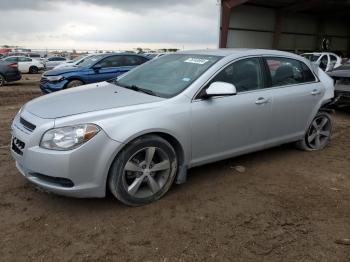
[{"x": 287, "y": 205}]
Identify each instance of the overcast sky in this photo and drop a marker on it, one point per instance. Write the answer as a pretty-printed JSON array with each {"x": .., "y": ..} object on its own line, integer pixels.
[{"x": 109, "y": 24}]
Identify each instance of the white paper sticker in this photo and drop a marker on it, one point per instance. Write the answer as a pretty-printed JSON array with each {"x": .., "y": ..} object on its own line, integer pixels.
[{"x": 196, "y": 61}]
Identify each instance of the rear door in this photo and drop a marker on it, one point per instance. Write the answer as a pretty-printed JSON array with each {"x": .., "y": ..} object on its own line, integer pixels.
[
  {"x": 24, "y": 64},
  {"x": 229, "y": 125},
  {"x": 296, "y": 94}
]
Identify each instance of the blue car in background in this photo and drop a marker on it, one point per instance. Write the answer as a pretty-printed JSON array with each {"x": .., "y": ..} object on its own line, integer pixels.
[{"x": 98, "y": 68}]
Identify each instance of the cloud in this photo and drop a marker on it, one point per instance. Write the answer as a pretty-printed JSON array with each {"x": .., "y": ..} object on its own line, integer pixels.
[{"x": 89, "y": 23}]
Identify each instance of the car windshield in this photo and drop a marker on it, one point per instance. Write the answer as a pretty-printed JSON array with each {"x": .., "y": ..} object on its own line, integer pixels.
[
  {"x": 168, "y": 75},
  {"x": 82, "y": 59},
  {"x": 90, "y": 61},
  {"x": 311, "y": 57}
]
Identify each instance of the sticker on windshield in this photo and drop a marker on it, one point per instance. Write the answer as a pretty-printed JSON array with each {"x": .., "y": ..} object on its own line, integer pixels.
[
  {"x": 186, "y": 79},
  {"x": 196, "y": 61}
]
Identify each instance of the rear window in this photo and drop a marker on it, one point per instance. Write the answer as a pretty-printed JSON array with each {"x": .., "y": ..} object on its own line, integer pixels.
[{"x": 287, "y": 71}]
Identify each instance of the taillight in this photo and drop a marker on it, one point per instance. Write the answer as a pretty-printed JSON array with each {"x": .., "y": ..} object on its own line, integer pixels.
[{"x": 14, "y": 65}]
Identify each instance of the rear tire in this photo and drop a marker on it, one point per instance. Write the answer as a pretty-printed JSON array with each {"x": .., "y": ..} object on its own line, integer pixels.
[
  {"x": 74, "y": 83},
  {"x": 2, "y": 81},
  {"x": 33, "y": 70},
  {"x": 318, "y": 134},
  {"x": 143, "y": 171}
]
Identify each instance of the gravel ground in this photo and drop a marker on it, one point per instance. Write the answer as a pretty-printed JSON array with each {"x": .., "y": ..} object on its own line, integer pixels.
[{"x": 285, "y": 205}]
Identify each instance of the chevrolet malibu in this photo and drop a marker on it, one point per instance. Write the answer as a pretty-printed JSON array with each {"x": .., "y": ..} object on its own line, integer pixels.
[{"x": 138, "y": 134}]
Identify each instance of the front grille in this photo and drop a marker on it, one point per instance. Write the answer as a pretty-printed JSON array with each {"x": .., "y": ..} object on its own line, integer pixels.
[
  {"x": 29, "y": 126},
  {"x": 64, "y": 182}
]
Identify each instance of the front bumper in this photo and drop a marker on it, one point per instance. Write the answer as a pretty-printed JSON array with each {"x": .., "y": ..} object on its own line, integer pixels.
[
  {"x": 49, "y": 87},
  {"x": 81, "y": 172}
]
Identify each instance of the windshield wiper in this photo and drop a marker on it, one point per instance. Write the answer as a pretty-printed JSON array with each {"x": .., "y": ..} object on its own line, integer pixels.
[{"x": 137, "y": 89}]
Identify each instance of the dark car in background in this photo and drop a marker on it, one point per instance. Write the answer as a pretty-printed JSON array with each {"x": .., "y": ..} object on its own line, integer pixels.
[
  {"x": 98, "y": 68},
  {"x": 341, "y": 76},
  {"x": 9, "y": 72}
]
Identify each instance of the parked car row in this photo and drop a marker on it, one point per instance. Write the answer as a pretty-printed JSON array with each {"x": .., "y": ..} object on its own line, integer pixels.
[
  {"x": 92, "y": 69},
  {"x": 26, "y": 64}
]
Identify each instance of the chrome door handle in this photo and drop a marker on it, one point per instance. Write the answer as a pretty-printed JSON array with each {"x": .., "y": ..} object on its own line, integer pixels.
[
  {"x": 315, "y": 92},
  {"x": 261, "y": 101}
]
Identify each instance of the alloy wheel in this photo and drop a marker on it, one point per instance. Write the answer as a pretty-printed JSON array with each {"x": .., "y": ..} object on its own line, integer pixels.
[
  {"x": 146, "y": 172},
  {"x": 319, "y": 132}
]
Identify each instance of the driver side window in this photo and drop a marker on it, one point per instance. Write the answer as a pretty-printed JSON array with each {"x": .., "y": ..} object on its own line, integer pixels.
[
  {"x": 244, "y": 74},
  {"x": 112, "y": 61}
]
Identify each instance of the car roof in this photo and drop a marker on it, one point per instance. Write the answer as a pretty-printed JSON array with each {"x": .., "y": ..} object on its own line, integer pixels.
[{"x": 226, "y": 52}]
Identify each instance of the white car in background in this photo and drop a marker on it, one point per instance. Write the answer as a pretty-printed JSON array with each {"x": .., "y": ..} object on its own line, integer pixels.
[
  {"x": 325, "y": 60},
  {"x": 73, "y": 63},
  {"x": 53, "y": 61},
  {"x": 26, "y": 64}
]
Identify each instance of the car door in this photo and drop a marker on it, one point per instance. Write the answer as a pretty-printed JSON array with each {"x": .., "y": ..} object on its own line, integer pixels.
[
  {"x": 225, "y": 126},
  {"x": 24, "y": 64},
  {"x": 296, "y": 93},
  {"x": 107, "y": 68}
]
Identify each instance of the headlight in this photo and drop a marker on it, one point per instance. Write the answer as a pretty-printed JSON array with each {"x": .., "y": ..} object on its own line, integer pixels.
[
  {"x": 54, "y": 78},
  {"x": 69, "y": 137}
]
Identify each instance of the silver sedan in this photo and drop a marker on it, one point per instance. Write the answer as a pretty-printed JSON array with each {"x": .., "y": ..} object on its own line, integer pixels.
[{"x": 137, "y": 134}]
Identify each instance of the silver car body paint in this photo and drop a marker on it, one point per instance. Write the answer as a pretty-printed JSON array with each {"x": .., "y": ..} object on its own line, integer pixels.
[{"x": 207, "y": 130}]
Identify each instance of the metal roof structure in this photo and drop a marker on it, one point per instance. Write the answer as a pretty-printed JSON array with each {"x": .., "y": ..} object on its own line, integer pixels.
[{"x": 319, "y": 10}]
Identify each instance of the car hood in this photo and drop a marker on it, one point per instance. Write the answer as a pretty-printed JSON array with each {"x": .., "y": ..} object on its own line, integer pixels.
[
  {"x": 87, "y": 98},
  {"x": 62, "y": 70}
]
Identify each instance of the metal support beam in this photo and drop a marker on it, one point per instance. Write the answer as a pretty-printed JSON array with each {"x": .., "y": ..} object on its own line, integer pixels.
[
  {"x": 320, "y": 34},
  {"x": 227, "y": 5},
  {"x": 278, "y": 29},
  {"x": 348, "y": 51}
]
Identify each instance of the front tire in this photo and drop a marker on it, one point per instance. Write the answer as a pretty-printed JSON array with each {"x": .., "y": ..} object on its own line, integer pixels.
[
  {"x": 318, "y": 134},
  {"x": 74, "y": 83},
  {"x": 33, "y": 70},
  {"x": 2, "y": 81},
  {"x": 144, "y": 171}
]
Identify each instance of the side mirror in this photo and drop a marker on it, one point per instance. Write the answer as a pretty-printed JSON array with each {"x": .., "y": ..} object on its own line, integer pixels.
[
  {"x": 220, "y": 89},
  {"x": 97, "y": 67}
]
